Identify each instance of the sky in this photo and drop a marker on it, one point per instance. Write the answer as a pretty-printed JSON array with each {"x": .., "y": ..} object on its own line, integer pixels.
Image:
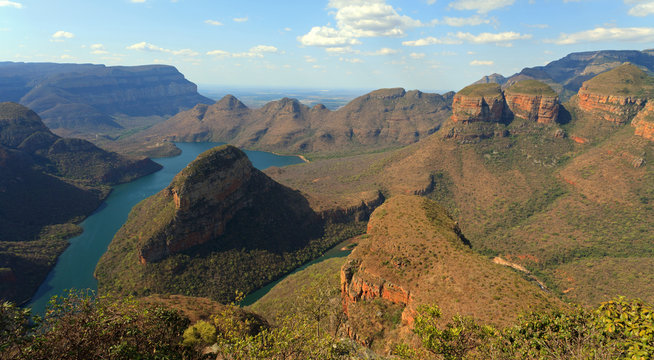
[{"x": 430, "y": 45}]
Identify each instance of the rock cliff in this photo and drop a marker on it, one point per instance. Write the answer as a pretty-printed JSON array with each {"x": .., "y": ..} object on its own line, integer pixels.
[
  {"x": 85, "y": 97},
  {"x": 616, "y": 95},
  {"x": 204, "y": 197},
  {"x": 382, "y": 118},
  {"x": 479, "y": 103},
  {"x": 644, "y": 121},
  {"x": 533, "y": 100},
  {"x": 414, "y": 254}
]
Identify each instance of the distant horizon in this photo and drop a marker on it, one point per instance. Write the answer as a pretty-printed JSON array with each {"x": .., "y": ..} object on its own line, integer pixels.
[{"x": 329, "y": 44}]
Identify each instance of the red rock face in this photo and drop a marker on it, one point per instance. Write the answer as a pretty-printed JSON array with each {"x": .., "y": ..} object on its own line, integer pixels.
[
  {"x": 468, "y": 109},
  {"x": 644, "y": 122},
  {"x": 542, "y": 109},
  {"x": 357, "y": 284},
  {"x": 615, "y": 108}
]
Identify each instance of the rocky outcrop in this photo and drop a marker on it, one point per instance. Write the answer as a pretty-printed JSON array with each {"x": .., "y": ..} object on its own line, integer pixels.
[
  {"x": 415, "y": 254},
  {"x": 616, "y": 95},
  {"x": 644, "y": 121},
  {"x": 615, "y": 108},
  {"x": 382, "y": 118},
  {"x": 202, "y": 200},
  {"x": 533, "y": 100},
  {"x": 479, "y": 103},
  {"x": 84, "y": 97}
]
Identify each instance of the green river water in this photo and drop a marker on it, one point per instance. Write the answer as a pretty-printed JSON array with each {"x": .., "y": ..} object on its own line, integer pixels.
[{"x": 74, "y": 268}]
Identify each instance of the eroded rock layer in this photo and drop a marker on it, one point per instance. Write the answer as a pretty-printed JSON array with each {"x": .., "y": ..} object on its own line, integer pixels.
[
  {"x": 415, "y": 254},
  {"x": 533, "y": 100}
]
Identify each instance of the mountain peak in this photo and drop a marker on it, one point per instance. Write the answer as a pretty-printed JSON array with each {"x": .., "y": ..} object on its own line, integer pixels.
[{"x": 229, "y": 102}]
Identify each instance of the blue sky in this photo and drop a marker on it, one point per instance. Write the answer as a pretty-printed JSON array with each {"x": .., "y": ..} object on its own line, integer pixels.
[{"x": 365, "y": 44}]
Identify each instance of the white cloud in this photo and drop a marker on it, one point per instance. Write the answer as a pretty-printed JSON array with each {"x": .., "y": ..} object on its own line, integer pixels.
[
  {"x": 310, "y": 59},
  {"x": 341, "y": 50},
  {"x": 213, "y": 22},
  {"x": 359, "y": 19},
  {"x": 485, "y": 38},
  {"x": 633, "y": 34},
  {"x": 66, "y": 57},
  {"x": 469, "y": 21},
  {"x": 13, "y": 4},
  {"x": 287, "y": 29},
  {"x": 241, "y": 19},
  {"x": 137, "y": 1},
  {"x": 384, "y": 51},
  {"x": 501, "y": 39},
  {"x": 417, "y": 55},
  {"x": 481, "y": 63},
  {"x": 254, "y": 52},
  {"x": 481, "y": 6},
  {"x": 326, "y": 37},
  {"x": 144, "y": 46},
  {"x": 641, "y": 7},
  {"x": 264, "y": 49},
  {"x": 98, "y": 49},
  {"x": 430, "y": 40},
  {"x": 219, "y": 53},
  {"x": 351, "y": 60},
  {"x": 61, "y": 35},
  {"x": 431, "y": 2}
]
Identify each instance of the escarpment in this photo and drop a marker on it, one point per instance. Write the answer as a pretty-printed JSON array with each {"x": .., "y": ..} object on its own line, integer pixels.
[
  {"x": 204, "y": 197},
  {"x": 415, "y": 254},
  {"x": 85, "y": 98},
  {"x": 616, "y": 95}
]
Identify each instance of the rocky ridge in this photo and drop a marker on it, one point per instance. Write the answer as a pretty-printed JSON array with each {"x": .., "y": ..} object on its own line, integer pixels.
[
  {"x": 382, "y": 118},
  {"x": 533, "y": 100},
  {"x": 414, "y": 254}
]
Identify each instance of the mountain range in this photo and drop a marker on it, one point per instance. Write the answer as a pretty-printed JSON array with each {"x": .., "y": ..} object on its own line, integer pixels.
[
  {"x": 89, "y": 99},
  {"x": 567, "y": 74}
]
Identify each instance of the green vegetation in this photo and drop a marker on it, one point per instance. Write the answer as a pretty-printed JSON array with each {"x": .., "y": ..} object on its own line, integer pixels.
[
  {"x": 490, "y": 89},
  {"x": 617, "y": 329},
  {"x": 214, "y": 272},
  {"x": 79, "y": 326},
  {"x": 627, "y": 80},
  {"x": 531, "y": 87}
]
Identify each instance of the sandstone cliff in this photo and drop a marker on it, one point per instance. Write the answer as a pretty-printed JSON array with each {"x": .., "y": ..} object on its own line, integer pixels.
[
  {"x": 86, "y": 98},
  {"x": 414, "y": 254},
  {"x": 616, "y": 95},
  {"x": 644, "y": 121},
  {"x": 382, "y": 118},
  {"x": 479, "y": 103},
  {"x": 533, "y": 100}
]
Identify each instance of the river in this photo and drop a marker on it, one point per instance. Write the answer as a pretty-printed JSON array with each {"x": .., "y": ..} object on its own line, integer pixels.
[{"x": 74, "y": 268}]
